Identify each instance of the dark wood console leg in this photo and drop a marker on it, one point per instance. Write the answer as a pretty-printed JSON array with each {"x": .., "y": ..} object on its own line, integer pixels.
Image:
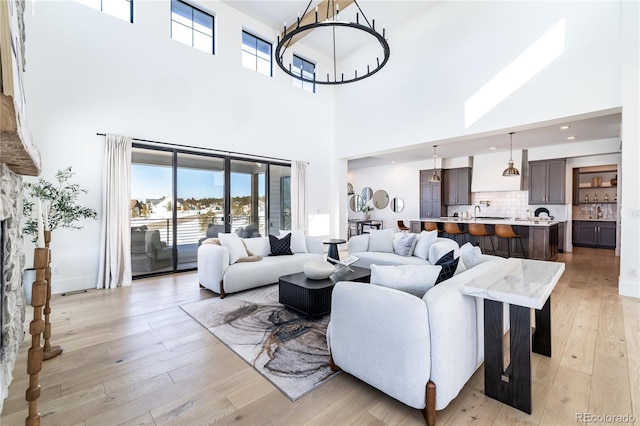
[
  {"x": 520, "y": 365},
  {"x": 542, "y": 335},
  {"x": 512, "y": 385},
  {"x": 493, "y": 357}
]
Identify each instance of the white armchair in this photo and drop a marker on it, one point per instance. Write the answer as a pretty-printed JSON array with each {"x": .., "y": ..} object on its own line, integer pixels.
[
  {"x": 409, "y": 347},
  {"x": 381, "y": 336}
]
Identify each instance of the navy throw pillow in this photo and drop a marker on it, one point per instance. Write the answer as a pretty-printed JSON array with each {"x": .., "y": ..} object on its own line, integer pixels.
[
  {"x": 280, "y": 246},
  {"x": 449, "y": 266}
]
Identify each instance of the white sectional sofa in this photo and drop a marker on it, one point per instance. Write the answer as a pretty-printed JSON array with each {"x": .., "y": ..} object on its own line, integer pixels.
[
  {"x": 379, "y": 248},
  {"x": 217, "y": 273},
  {"x": 420, "y": 351}
]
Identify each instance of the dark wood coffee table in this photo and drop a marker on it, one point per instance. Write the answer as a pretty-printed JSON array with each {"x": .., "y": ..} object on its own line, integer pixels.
[{"x": 313, "y": 297}]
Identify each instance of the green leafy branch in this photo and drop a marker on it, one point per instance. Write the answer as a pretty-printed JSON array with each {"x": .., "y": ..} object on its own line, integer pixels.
[
  {"x": 366, "y": 208},
  {"x": 59, "y": 200}
]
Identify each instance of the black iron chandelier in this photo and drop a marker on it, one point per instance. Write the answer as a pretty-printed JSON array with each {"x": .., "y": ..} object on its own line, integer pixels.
[{"x": 311, "y": 21}]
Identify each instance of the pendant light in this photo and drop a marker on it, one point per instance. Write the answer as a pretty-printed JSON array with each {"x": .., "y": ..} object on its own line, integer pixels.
[
  {"x": 434, "y": 176},
  {"x": 511, "y": 171}
]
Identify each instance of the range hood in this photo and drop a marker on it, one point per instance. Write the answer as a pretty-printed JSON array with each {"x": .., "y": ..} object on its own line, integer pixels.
[{"x": 487, "y": 172}]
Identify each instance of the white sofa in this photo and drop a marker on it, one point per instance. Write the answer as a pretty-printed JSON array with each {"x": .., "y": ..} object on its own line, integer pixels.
[
  {"x": 383, "y": 254},
  {"x": 217, "y": 274},
  {"x": 420, "y": 351}
]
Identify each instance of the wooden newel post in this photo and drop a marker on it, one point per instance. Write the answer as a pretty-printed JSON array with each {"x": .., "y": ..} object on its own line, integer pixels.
[
  {"x": 49, "y": 351},
  {"x": 36, "y": 327}
]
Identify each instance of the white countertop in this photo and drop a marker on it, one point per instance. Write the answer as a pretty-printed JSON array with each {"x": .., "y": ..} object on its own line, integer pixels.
[
  {"x": 518, "y": 222},
  {"x": 522, "y": 282}
]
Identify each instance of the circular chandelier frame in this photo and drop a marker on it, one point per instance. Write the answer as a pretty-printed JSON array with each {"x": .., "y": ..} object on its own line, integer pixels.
[{"x": 283, "y": 44}]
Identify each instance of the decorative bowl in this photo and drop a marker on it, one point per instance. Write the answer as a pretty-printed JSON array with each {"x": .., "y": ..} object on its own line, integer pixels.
[{"x": 318, "y": 269}]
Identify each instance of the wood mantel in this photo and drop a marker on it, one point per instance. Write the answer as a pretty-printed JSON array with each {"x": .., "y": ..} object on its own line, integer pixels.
[{"x": 18, "y": 151}]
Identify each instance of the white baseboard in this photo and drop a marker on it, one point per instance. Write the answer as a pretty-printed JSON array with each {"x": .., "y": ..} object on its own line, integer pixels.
[
  {"x": 629, "y": 286},
  {"x": 66, "y": 285}
]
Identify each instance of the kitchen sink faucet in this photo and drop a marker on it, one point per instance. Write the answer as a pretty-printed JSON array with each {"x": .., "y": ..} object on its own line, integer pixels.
[{"x": 475, "y": 216}]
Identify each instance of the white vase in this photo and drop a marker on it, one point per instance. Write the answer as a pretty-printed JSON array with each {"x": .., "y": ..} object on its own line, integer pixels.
[{"x": 28, "y": 277}]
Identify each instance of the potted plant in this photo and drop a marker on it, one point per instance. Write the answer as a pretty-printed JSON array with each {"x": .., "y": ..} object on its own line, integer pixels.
[
  {"x": 58, "y": 202},
  {"x": 367, "y": 211},
  {"x": 56, "y": 206}
]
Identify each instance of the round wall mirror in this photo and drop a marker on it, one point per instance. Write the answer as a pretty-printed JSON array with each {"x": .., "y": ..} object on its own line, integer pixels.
[
  {"x": 380, "y": 199},
  {"x": 397, "y": 204},
  {"x": 367, "y": 193},
  {"x": 356, "y": 203}
]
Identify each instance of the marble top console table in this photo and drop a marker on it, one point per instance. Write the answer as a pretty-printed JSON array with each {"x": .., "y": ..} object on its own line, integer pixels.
[{"x": 524, "y": 284}]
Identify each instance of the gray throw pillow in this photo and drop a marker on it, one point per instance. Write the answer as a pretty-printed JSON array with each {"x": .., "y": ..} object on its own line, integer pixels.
[{"x": 404, "y": 244}]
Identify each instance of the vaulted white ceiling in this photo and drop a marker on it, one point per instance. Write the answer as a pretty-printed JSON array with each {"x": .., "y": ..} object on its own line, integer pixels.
[{"x": 392, "y": 14}]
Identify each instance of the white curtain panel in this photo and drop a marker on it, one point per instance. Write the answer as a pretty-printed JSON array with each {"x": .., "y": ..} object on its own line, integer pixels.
[
  {"x": 299, "y": 216},
  {"x": 115, "y": 252}
]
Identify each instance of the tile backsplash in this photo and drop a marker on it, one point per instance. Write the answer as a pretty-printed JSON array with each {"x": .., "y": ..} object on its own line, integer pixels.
[
  {"x": 511, "y": 204},
  {"x": 590, "y": 211}
]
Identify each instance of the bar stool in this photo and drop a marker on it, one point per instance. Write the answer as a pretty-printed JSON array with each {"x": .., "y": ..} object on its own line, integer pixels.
[
  {"x": 452, "y": 228},
  {"x": 506, "y": 231},
  {"x": 402, "y": 227},
  {"x": 430, "y": 226},
  {"x": 479, "y": 230}
]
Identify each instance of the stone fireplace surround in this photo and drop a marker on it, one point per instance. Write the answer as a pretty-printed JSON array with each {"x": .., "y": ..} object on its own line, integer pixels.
[
  {"x": 13, "y": 304},
  {"x": 19, "y": 156}
]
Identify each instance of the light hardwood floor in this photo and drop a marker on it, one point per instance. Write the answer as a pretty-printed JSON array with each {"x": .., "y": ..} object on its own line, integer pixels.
[{"x": 133, "y": 357}]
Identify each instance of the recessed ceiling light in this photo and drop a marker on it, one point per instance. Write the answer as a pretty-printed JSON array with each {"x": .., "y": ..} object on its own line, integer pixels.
[
  {"x": 492, "y": 147},
  {"x": 571, "y": 138},
  {"x": 564, "y": 127}
]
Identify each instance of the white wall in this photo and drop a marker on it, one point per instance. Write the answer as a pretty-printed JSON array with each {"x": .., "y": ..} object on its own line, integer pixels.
[
  {"x": 89, "y": 72},
  {"x": 452, "y": 50},
  {"x": 399, "y": 180},
  {"x": 487, "y": 172},
  {"x": 630, "y": 208},
  {"x": 448, "y": 53}
]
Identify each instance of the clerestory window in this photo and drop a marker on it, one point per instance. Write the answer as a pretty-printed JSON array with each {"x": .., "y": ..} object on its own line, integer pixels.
[
  {"x": 192, "y": 26},
  {"x": 256, "y": 54},
  {"x": 122, "y": 9},
  {"x": 306, "y": 69}
]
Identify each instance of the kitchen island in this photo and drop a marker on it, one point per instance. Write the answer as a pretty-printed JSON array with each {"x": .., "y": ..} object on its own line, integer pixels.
[{"x": 542, "y": 239}]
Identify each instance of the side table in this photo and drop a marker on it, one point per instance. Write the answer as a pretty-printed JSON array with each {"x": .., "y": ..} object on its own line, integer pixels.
[
  {"x": 524, "y": 284},
  {"x": 333, "y": 248}
]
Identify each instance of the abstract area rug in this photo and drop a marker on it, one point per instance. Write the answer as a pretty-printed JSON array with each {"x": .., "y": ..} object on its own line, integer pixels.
[{"x": 287, "y": 348}]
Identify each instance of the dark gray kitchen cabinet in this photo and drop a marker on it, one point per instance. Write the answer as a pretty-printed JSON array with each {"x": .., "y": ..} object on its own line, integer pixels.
[
  {"x": 591, "y": 233},
  {"x": 547, "y": 181},
  {"x": 457, "y": 186},
  {"x": 431, "y": 200}
]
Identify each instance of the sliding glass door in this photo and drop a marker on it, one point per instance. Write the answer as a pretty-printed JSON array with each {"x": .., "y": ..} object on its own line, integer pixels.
[
  {"x": 151, "y": 211},
  {"x": 280, "y": 198},
  {"x": 200, "y": 204},
  {"x": 179, "y": 199},
  {"x": 248, "y": 198}
]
